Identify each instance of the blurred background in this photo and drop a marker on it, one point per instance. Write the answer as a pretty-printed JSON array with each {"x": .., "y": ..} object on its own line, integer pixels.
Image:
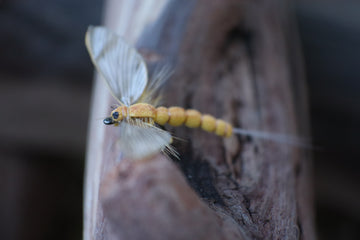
[{"x": 45, "y": 88}]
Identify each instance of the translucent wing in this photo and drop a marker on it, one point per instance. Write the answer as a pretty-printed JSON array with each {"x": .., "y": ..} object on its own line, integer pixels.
[
  {"x": 139, "y": 140},
  {"x": 152, "y": 93},
  {"x": 123, "y": 69}
]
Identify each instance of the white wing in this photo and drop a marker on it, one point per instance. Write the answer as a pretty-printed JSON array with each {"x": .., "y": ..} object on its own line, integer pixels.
[
  {"x": 123, "y": 69},
  {"x": 152, "y": 93},
  {"x": 139, "y": 140}
]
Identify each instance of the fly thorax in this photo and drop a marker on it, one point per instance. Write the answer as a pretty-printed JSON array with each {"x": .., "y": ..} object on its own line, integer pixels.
[{"x": 142, "y": 110}]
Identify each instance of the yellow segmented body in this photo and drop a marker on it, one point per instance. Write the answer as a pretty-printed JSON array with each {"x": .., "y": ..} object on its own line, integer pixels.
[{"x": 174, "y": 116}]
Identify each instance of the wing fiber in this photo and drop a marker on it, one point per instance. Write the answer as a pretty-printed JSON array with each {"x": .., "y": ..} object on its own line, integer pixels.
[
  {"x": 123, "y": 69},
  {"x": 139, "y": 140}
]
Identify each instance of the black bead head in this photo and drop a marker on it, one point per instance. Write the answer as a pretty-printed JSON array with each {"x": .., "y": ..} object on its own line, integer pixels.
[
  {"x": 115, "y": 115},
  {"x": 108, "y": 121}
]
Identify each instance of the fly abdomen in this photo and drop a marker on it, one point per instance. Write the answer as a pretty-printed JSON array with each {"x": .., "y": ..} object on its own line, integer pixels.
[{"x": 176, "y": 116}]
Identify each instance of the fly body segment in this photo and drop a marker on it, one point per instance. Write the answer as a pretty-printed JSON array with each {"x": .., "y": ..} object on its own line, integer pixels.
[{"x": 138, "y": 113}]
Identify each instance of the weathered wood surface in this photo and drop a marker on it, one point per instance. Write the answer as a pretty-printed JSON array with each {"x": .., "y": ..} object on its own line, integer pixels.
[{"x": 234, "y": 59}]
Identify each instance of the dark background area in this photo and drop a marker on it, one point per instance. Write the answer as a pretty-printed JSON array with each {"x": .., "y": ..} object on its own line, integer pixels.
[
  {"x": 330, "y": 33},
  {"x": 45, "y": 88}
]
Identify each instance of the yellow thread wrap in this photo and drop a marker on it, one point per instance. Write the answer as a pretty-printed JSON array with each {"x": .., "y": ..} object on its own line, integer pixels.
[
  {"x": 220, "y": 128},
  {"x": 193, "y": 118},
  {"x": 208, "y": 123},
  {"x": 177, "y": 116},
  {"x": 162, "y": 115},
  {"x": 229, "y": 130}
]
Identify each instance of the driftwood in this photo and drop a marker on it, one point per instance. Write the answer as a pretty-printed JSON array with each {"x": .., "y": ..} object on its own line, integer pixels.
[{"x": 237, "y": 60}]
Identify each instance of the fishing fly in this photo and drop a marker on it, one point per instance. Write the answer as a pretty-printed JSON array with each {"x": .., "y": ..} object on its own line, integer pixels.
[{"x": 139, "y": 114}]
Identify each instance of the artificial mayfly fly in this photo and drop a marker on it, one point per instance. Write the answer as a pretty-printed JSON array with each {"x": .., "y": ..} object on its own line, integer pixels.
[{"x": 138, "y": 113}]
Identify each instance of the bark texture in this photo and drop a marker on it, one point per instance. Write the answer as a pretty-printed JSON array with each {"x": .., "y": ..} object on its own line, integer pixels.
[{"x": 236, "y": 60}]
